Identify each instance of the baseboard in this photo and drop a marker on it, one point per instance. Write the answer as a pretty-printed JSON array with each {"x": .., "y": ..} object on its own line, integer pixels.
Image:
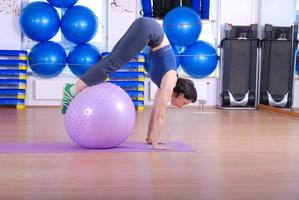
[{"x": 279, "y": 111}]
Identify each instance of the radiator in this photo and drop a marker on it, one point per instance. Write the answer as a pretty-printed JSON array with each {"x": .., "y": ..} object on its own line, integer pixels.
[{"x": 48, "y": 89}]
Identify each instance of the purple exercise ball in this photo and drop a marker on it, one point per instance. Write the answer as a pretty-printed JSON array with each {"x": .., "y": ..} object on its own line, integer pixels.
[{"x": 100, "y": 116}]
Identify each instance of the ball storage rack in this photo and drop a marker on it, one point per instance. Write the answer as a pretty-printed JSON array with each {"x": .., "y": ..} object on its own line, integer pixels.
[{"x": 13, "y": 76}]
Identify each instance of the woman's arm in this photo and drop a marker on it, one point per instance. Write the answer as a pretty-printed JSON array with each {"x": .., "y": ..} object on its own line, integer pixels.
[
  {"x": 149, "y": 138},
  {"x": 160, "y": 107}
]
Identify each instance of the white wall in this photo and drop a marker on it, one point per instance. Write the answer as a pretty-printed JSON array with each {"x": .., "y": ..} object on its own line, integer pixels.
[
  {"x": 121, "y": 17},
  {"x": 238, "y": 12},
  {"x": 9, "y": 19},
  {"x": 278, "y": 12},
  {"x": 243, "y": 12}
]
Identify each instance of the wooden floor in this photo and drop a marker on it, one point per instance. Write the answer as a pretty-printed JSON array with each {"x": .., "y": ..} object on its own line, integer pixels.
[{"x": 240, "y": 155}]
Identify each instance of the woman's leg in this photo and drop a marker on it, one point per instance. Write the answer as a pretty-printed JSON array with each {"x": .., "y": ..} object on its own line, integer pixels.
[{"x": 133, "y": 41}]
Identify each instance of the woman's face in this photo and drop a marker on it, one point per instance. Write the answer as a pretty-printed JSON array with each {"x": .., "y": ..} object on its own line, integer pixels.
[{"x": 179, "y": 101}]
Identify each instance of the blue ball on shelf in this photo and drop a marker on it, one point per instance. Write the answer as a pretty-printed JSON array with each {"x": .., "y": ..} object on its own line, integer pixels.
[
  {"x": 47, "y": 59},
  {"x": 79, "y": 24},
  {"x": 82, "y": 57},
  {"x": 182, "y": 26},
  {"x": 39, "y": 21},
  {"x": 63, "y": 3},
  {"x": 199, "y": 59}
]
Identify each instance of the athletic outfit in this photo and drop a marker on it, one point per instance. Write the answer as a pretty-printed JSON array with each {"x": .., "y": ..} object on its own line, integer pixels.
[{"x": 143, "y": 31}]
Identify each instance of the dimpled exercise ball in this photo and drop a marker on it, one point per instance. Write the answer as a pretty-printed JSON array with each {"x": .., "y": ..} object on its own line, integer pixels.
[
  {"x": 39, "y": 21},
  {"x": 79, "y": 24},
  {"x": 47, "y": 59},
  {"x": 100, "y": 116},
  {"x": 182, "y": 26},
  {"x": 82, "y": 57},
  {"x": 63, "y": 3},
  {"x": 199, "y": 59}
]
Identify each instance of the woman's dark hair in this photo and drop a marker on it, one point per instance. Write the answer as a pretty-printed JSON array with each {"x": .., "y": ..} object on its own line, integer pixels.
[{"x": 186, "y": 87}]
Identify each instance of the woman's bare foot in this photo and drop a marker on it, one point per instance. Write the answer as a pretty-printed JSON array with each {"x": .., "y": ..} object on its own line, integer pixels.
[
  {"x": 150, "y": 141},
  {"x": 162, "y": 147}
]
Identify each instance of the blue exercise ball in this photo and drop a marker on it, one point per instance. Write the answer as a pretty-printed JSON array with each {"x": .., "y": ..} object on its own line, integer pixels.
[
  {"x": 82, "y": 57},
  {"x": 63, "y": 3},
  {"x": 79, "y": 24},
  {"x": 182, "y": 26},
  {"x": 47, "y": 59},
  {"x": 199, "y": 59},
  {"x": 39, "y": 21},
  {"x": 147, "y": 63}
]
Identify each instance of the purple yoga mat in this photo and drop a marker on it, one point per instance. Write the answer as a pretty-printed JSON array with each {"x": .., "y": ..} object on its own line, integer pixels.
[{"x": 70, "y": 147}]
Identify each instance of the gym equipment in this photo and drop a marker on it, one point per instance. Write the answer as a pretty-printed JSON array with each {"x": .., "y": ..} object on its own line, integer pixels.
[
  {"x": 47, "y": 59},
  {"x": 13, "y": 75},
  {"x": 199, "y": 59},
  {"x": 82, "y": 57},
  {"x": 161, "y": 7},
  {"x": 79, "y": 24},
  {"x": 63, "y": 4},
  {"x": 101, "y": 116},
  {"x": 205, "y": 9},
  {"x": 278, "y": 50},
  {"x": 196, "y": 6},
  {"x": 146, "y": 8},
  {"x": 39, "y": 21},
  {"x": 183, "y": 30},
  {"x": 239, "y": 67}
]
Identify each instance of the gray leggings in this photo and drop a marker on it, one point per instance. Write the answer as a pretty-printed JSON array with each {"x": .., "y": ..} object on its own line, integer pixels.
[{"x": 143, "y": 31}]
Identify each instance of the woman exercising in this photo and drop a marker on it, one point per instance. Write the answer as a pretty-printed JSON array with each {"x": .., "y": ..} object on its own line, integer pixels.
[{"x": 143, "y": 31}]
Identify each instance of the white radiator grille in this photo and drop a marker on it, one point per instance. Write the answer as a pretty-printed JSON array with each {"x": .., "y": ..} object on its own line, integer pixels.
[{"x": 48, "y": 89}]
